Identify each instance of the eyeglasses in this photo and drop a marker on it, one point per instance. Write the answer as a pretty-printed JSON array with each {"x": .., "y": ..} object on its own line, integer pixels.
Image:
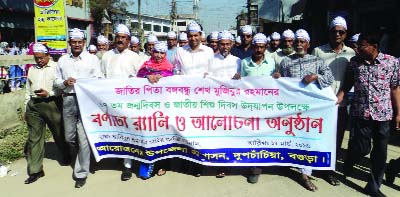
[{"x": 341, "y": 32}]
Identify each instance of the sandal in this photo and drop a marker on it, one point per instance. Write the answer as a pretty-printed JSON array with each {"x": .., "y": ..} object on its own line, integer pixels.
[
  {"x": 221, "y": 173},
  {"x": 161, "y": 172},
  {"x": 332, "y": 180},
  {"x": 308, "y": 184}
]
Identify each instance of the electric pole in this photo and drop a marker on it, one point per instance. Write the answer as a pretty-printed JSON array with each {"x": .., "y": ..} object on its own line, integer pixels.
[
  {"x": 173, "y": 15},
  {"x": 196, "y": 9},
  {"x": 140, "y": 30}
]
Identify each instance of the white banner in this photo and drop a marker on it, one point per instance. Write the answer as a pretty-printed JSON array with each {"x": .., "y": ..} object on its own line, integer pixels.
[{"x": 255, "y": 121}]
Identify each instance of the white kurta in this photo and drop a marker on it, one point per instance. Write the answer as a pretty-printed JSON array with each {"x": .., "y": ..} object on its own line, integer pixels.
[
  {"x": 120, "y": 65},
  {"x": 85, "y": 66},
  {"x": 193, "y": 62},
  {"x": 224, "y": 68}
]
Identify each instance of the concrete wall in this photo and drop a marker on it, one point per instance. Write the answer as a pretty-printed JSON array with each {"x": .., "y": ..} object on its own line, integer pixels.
[{"x": 11, "y": 105}]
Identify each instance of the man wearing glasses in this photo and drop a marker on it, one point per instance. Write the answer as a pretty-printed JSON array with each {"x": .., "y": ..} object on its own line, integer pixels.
[
  {"x": 245, "y": 49},
  {"x": 375, "y": 77},
  {"x": 337, "y": 55},
  {"x": 78, "y": 64}
]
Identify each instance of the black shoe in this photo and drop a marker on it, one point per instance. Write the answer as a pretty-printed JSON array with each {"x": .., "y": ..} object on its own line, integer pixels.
[
  {"x": 126, "y": 174},
  {"x": 253, "y": 179},
  {"x": 80, "y": 182},
  {"x": 377, "y": 193},
  {"x": 390, "y": 175},
  {"x": 347, "y": 171},
  {"x": 66, "y": 161},
  {"x": 197, "y": 170},
  {"x": 34, "y": 177},
  {"x": 197, "y": 174}
]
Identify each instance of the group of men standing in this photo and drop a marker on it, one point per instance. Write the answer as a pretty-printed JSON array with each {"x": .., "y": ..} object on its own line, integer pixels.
[{"x": 375, "y": 77}]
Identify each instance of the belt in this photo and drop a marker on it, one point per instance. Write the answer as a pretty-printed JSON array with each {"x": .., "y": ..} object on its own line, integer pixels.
[
  {"x": 68, "y": 94},
  {"x": 43, "y": 99}
]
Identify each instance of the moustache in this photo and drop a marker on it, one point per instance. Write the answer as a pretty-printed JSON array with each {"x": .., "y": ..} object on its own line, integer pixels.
[{"x": 120, "y": 42}]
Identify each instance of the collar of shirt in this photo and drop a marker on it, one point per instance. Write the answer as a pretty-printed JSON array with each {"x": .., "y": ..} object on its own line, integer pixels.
[
  {"x": 295, "y": 56},
  {"x": 117, "y": 52},
  {"x": 381, "y": 57},
  {"x": 80, "y": 56},
  {"x": 264, "y": 61},
  {"x": 47, "y": 65},
  {"x": 328, "y": 49},
  {"x": 219, "y": 56},
  {"x": 200, "y": 48}
]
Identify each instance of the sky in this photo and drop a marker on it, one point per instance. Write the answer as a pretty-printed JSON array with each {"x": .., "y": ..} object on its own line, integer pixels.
[{"x": 215, "y": 15}]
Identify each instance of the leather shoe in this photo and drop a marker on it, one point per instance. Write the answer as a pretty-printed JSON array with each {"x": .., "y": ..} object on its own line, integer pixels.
[
  {"x": 34, "y": 177},
  {"x": 126, "y": 174},
  {"x": 377, "y": 193},
  {"x": 390, "y": 175},
  {"x": 65, "y": 161},
  {"x": 347, "y": 170},
  {"x": 80, "y": 182}
]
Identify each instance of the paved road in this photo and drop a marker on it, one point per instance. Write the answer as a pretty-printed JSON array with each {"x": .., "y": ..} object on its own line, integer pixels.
[{"x": 105, "y": 181}]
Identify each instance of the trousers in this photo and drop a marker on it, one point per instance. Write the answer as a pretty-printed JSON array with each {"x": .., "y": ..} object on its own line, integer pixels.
[{"x": 75, "y": 136}]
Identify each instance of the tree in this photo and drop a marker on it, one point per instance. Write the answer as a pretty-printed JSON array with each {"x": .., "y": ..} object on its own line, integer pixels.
[{"x": 97, "y": 8}]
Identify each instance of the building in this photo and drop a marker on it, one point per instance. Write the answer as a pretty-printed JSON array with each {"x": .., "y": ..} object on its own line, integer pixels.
[
  {"x": 19, "y": 27},
  {"x": 156, "y": 25},
  {"x": 182, "y": 21},
  {"x": 78, "y": 15}
]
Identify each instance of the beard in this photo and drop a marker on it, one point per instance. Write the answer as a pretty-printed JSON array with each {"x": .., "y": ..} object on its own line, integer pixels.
[
  {"x": 224, "y": 53},
  {"x": 287, "y": 50},
  {"x": 300, "y": 51}
]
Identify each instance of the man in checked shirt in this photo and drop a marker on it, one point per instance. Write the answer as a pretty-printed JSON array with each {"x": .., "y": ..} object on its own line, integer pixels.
[
  {"x": 375, "y": 77},
  {"x": 309, "y": 68}
]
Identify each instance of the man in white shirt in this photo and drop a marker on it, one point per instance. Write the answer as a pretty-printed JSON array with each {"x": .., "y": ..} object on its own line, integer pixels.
[
  {"x": 102, "y": 46},
  {"x": 135, "y": 47},
  {"x": 120, "y": 62},
  {"x": 287, "y": 48},
  {"x": 172, "y": 43},
  {"x": 43, "y": 107},
  {"x": 224, "y": 65},
  {"x": 194, "y": 58},
  {"x": 275, "y": 41},
  {"x": 183, "y": 40},
  {"x": 92, "y": 49},
  {"x": 149, "y": 46},
  {"x": 76, "y": 65},
  {"x": 212, "y": 41}
]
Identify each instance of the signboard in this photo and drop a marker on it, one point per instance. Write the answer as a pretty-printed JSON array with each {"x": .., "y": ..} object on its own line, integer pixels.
[{"x": 50, "y": 25}]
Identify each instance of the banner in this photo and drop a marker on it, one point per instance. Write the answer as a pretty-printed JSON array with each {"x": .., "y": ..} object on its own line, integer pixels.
[
  {"x": 50, "y": 25},
  {"x": 255, "y": 121}
]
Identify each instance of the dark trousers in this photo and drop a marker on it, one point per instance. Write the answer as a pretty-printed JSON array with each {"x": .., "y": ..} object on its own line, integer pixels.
[
  {"x": 342, "y": 120},
  {"x": 360, "y": 145},
  {"x": 39, "y": 113},
  {"x": 395, "y": 166}
]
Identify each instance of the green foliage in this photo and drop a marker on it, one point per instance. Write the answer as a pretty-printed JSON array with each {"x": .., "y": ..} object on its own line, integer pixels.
[
  {"x": 97, "y": 8},
  {"x": 12, "y": 144}
]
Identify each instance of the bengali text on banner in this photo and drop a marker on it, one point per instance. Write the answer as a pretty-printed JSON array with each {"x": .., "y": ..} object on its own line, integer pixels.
[{"x": 255, "y": 121}]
